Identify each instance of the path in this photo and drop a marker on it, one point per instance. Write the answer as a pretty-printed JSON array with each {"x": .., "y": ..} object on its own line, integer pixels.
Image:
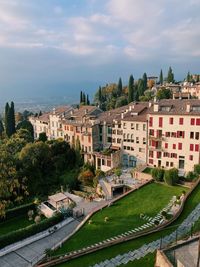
[{"x": 151, "y": 247}]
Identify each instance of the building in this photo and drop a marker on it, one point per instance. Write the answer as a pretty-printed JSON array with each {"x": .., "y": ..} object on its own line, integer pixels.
[
  {"x": 192, "y": 89},
  {"x": 159, "y": 134},
  {"x": 173, "y": 134}
]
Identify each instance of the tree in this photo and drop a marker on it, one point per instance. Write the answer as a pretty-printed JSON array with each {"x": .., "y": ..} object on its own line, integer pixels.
[
  {"x": 12, "y": 118},
  {"x": 119, "y": 87},
  {"x": 164, "y": 94},
  {"x": 157, "y": 174},
  {"x": 81, "y": 97},
  {"x": 130, "y": 89},
  {"x": 88, "y": 101},
  {"x": 121, "y": 101},
  {"x": 26, "y": 125},
  {"x": 161, "y": 77},
  {"x": 40, "y": 113},
  {"x": 188, "y": 77},
  {"x": 171, "y": 176},
  {"x": 170, "y": 76},
  {"x": 140, "y": 87},
  {"x": 144, "y": 78},
  {"x": 100, "y": 95},
  {"x": 42, "y": 137},
  {"x": 1, "y": 128},
  {"x": 86, "y": 177}
]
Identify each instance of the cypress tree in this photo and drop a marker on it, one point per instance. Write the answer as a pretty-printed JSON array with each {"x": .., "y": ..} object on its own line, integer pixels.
[
  {"x": 99, "y": 95},
  {"x": 140, "y": 87},
  {"x": 161, "y": 77},
  {"x": 144, "y": 78},
  {"x": 130, "y": 89},
  {"x": 88, "y": 101},
  {"x": 81, "y": 97},
  {"x": 1, "y": 128},
  {"x": 170, "y": 76},
  {"x": 6, "y": 118},
  {"x": 119, "y": 87},
  {"x": 12, "y": 118}
]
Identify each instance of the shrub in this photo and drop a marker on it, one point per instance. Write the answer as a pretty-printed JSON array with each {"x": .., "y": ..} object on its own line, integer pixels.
[
  {"x": 86, "y": 177},
  {"x": 37, "y": 219},
  {"x": 171, "y": 176},
  {"x": 23, "y": 233},
  {"x": 191, "y": 176},
  {"x": 164, "y": 214},
  {"x": 197, "y": 168},
  {"x": 157, "y": 174},
  {"x": 118, "y": 172},
  {"x": 30, "y": 214},
  {"x": 21, "y": 210}
]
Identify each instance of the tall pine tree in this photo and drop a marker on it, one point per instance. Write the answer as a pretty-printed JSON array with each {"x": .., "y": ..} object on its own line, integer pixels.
[
  {"x": 119, "y": 87},
  {"x": 161, "y": 78},
  {"x": 12, "y": 115},
  {"x": 1, "y": 128},
  {"x": 141, "y": 87},
  {"x": 81, "y": 97},
  {"x": 131, "y": 89},
  {"x": 88, "y": 101},
  {"x": 84, "y": 99},
  {"x": 144, "y": 78},
  {"x": 170, "y": 76}
]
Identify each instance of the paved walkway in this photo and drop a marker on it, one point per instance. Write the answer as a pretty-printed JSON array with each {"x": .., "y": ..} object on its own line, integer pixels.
[
  {"x": 30, "y": 254},
  {"x": 151, "y": 247}
]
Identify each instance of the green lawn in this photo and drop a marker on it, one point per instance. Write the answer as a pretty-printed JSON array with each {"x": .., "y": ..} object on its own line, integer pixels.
[
  {"x": 123, "y": 215},
  {"x": 14, "y": 224},
  {"x": 113, "y": 251}
]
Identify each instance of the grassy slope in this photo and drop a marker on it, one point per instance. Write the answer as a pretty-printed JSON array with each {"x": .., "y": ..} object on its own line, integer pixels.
[
  {"x": 131, "y": 245},
  {"x": 123, "y": 215}
]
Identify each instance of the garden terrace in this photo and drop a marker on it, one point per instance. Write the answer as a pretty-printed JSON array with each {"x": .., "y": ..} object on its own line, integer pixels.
[
  {"x": 123, "y": 216},
  {"x": 91, "y": 259}
]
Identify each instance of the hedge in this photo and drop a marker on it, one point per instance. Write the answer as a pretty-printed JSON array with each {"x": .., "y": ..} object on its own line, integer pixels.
[
  {"x": 30, "y": 230},
  {"x": 23, "y": 209}
]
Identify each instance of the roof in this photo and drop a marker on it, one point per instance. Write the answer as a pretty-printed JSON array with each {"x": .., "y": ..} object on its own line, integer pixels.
[
  {"x": 177, "y": 107},
  {"x": 58, "y": 197},
  {"x": 86, "y": 110},
  {"x": 61, "y": 109}
]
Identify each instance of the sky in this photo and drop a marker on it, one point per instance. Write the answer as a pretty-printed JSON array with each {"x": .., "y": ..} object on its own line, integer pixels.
[{"x": 59, "y": 47}]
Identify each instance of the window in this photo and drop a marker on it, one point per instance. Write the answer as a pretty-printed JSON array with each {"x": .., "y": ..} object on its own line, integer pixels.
[
  {"x": 197, "y": 121},
  {"x": 89, "y": 139},
  {"x": 191, "y": 147},
  {"x": 150, "y": 161},
  {"x": 144, "y": 141},
  {"x": 167, "y": 134},
  {"x": 174, "y": 146},
  {"x": 166, "y": 145},
  {"x": 171, "y": 120},
  {"x": 137, "y": 140},
  {"x": 144, "y": 127},
  {"x": 160, "y": 123},
  {"x": 151, "y": 132},
  {"x": 192, "y": 121},
  {"x": 171, "y": 164},
  {"x": 141, "y": 149},
  {"x": 151, "y": 154},
  {"x": 167, "y": 163},
  {"x": 191, "y": 135},
  {"x": 180, "y": 121},
  {"x": 151, "y": 121},
  {"x": 124, "y": 125},
  {"x": 196, "y": 148},
  {"x": 190, "y": 157},
  {"x": 179, "y": 146},
  {"x": 114, "y": 140},
  {"x": 137, "y": 126},
  {"x": 197, "y": 135},
  {"x": 118, "y": 140},
  {"x": 132, "y": 126}
]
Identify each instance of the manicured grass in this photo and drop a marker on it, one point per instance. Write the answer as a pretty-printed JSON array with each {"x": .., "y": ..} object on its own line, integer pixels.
[
  {"x": 147, "y": 170},
  {"x": 123, "y": 215},
  {"x": 113, "y": 251},
  {"x": 14, "y": 224}
]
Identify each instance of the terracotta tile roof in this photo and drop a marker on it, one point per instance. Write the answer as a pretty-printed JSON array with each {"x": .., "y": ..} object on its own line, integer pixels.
[{"x": 177, "y": 107}]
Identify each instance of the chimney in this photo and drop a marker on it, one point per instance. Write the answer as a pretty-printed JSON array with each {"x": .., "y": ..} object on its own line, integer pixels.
[
  {"x": 54, "y": 111},
  {"x": 72, "y": 112},
  {"x": 122, "y": 115},
  {"x": 150, "y": 104},
  {"x": 86, "y": 111},
  {"x": 188, "y": 108},
  {"x": 130, "y": 108},
  {"x": 156, "y": 107}
]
